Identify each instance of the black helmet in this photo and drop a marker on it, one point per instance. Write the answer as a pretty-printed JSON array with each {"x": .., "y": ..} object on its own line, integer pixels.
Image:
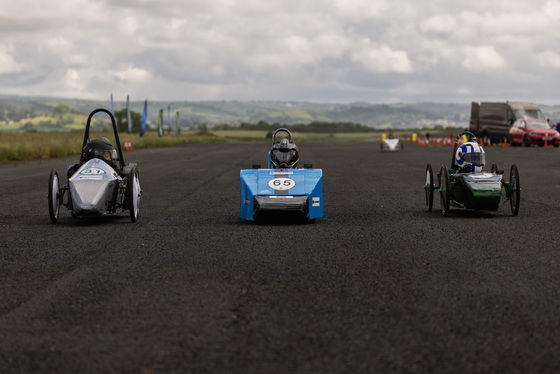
[
  {"x": 102, "y": 149},
  {"x": 284, "y": 154}
]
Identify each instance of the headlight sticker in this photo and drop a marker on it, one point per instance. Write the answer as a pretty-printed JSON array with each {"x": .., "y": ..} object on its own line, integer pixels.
[{"x": 316, "y": 201}]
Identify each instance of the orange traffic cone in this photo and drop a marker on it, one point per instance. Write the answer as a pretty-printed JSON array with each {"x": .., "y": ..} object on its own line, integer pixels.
[
  {"x": 489, "y": 143},
  {"x": 479, "y": 141},
  {"x": 545, "y": 142},
  {"x": 505, "y": 142}
]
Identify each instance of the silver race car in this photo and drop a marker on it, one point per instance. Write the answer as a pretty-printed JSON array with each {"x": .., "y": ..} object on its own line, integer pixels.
[
  {"x": 100, "y": 184},
  {"x": 392, "y": 144}
]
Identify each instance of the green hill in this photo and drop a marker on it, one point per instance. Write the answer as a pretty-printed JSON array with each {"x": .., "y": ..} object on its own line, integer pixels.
[{"x": 38, "y": 113}]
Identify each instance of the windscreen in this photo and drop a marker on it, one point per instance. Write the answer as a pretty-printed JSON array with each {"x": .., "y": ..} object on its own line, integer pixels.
[
  {"x": 105, "y": 154},
  {"x": 475, "y": 158},
  {"x": 529, "y": 114},
  {"x": 537, "y": 125}
]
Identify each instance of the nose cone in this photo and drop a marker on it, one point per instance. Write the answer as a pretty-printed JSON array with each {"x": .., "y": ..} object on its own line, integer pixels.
[{"x": 93, "y": 188}]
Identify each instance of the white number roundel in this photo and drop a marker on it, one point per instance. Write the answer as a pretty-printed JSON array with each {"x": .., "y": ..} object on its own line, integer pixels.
[{"x": 281, "y": 184}]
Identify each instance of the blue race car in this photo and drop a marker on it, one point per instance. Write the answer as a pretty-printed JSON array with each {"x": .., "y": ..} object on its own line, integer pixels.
[{"x": 282, "y": 188}]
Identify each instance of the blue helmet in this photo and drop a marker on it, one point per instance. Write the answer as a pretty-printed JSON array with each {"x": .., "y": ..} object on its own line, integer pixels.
[{"x": 470, "y": 158}]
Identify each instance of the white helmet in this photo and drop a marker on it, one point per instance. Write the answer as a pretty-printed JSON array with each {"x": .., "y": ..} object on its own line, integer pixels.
[{"x": 470, "y": 158}]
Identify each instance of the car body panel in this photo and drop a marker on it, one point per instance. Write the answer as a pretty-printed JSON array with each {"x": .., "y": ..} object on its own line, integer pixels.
[
  {"x": 94, "y": 187},
  {"x": 391, "y": 145},
  {"x": 479, "y": 191},
  {"x": 299, "y": 190}
]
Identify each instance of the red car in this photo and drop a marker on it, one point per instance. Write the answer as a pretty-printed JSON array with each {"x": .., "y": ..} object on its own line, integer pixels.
[{"x": 533, "y": 131}]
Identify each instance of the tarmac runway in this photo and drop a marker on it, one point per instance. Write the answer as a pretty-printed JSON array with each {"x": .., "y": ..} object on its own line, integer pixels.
[{"x": 377, "y": 285}]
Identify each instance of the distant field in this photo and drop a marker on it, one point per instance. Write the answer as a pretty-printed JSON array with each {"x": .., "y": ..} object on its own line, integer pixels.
[
  {"x": 71, "y": 122},
  {"x": 33, "y": 145},
  {"x": 42, "y": 145}
]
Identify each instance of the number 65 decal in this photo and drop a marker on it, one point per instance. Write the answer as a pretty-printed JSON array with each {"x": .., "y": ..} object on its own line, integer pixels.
[{"x": 281, "y": 184}]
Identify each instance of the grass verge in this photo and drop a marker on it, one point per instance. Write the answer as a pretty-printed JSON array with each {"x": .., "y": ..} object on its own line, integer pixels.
[{"x": 43, "y": 145}]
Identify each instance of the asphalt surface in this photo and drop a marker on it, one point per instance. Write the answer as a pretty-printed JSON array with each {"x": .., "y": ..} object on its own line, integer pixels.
[{"x": 377, "y": 285}]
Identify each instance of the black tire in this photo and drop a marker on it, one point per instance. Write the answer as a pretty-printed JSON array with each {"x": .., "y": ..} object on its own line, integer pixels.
[
  {"x": 429, "y": 187},
  {"x": 133, "y": 193},
  {"x": 526, "y": 142},
  {"x": 514, "y": 190},
  {"x": 494, "y": 169},
  {"x": 444, "y": 192},
  {"x": 54, "y": 196}
]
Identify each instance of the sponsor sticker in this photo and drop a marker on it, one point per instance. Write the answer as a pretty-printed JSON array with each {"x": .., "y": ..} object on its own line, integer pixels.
[
  {"x": 280, "y": 197},
  {"x": 92, "y": 171},
  {"x": 316, "y": 201},
  {"x": 281, "y": 184},
  {"x": 91, "y": 177}
]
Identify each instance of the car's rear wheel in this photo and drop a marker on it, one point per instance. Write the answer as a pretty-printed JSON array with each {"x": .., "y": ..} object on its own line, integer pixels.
[
  {"x": 514, "y": 190},
  {"x": 429, "y": 187},
  {"x": 133, "y": 193},
  {"x": 444, "y": 192},
  {"x": 54, "y": 196}
]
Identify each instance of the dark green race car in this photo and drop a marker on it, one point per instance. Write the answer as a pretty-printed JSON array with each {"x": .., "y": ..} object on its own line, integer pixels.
[{"x": 472, "y": 190}]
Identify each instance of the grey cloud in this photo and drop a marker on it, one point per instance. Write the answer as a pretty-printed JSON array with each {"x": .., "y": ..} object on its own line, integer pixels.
[{"x": 337, "y": 50}]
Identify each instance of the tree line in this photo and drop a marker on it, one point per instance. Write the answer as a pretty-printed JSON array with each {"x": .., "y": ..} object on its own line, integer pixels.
[{"x": 315, "y": 127}]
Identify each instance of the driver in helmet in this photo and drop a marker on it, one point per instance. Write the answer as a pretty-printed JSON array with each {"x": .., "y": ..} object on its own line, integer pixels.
[
  {"x": 100, "y": 148},
  {"x": 284, "y": 155},
  {"x": 470, "y": 157}
]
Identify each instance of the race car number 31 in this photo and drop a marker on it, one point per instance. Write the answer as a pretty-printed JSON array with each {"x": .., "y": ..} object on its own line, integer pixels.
[{"x": 281, "y": 184}]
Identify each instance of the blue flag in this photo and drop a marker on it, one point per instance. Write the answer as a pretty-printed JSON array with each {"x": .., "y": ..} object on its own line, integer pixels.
[
  {"x": 160, "y": 123},
  {"x": 144, "y": 118},
  {"x": 169, "y": 119},
  {"x": 128, "y": 120},
  {"x": 112, "y": 106}
]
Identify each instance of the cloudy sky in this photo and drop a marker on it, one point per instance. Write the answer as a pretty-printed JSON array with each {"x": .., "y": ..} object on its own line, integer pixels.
[{"x": 377, "y": 51}]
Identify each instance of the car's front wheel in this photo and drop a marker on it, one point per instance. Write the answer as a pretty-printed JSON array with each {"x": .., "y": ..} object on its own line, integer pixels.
[
  {"x": 54, "y": 196},
  {"x": 444, "y": 192},
  {"x": 133, "y": 193},
  {"x": 429, "y": 187},
  {"x": 514, "y": 190}
]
